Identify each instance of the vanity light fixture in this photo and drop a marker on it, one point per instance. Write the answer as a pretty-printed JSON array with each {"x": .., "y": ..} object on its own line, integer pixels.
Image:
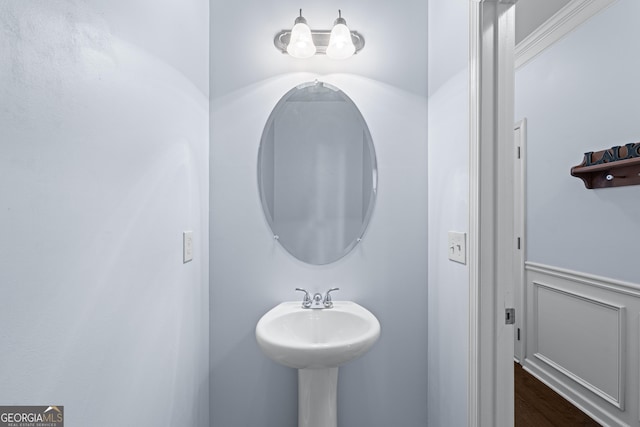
[
  {"x": 340, "y": 43},
  {"x": 302, "y": 42}
]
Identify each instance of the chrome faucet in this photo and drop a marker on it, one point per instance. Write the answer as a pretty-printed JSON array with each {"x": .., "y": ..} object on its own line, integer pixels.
[
  {"x": 328, "y": 302},
  {"x": 306, "y": 301},
  {"x": 317, "y": 301}
]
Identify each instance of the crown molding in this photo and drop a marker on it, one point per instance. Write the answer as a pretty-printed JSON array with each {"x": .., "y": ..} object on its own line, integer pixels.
[{"x": 563, "y": 22}]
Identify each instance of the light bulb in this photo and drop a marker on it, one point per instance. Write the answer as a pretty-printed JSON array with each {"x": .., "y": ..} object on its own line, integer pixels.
[
  {"x": 301, "y": 42},
  {"x": 340, "y": 42}
]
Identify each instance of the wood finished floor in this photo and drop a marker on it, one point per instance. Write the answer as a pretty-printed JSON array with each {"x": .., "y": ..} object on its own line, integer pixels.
[{"x": 537, "y": 405}]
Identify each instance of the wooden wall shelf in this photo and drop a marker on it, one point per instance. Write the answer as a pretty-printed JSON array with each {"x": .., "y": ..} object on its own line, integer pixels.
[{"x": 615, "y": 167}]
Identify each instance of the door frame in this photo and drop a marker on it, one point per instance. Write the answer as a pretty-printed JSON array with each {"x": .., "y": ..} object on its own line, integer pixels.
[
  {"x": 519, "y": 231},
  {"x": 491, "y": 114},
  {"x": 491, "y": 108}
]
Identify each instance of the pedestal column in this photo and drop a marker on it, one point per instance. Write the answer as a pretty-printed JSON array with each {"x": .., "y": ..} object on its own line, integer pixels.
[{"x": 317, "y": 397}]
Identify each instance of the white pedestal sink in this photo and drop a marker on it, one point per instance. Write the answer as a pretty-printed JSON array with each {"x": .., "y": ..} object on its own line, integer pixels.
[{"x": 317, "y": 342}]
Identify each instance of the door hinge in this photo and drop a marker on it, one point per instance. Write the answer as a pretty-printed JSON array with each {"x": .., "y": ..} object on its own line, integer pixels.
[
  {"x": 518, "y": 334},
  {"x": 518, "y": 243},
  {"x": 509, "y": 316},
  {"x": 518, "y": 152}
]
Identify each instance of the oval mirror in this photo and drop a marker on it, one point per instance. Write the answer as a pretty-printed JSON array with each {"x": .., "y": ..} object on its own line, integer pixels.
[{"x": 317, "y": 173}]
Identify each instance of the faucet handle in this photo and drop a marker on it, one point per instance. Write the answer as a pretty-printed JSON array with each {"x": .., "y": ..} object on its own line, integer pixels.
[
  {"x": 306, "y": 301},
  {"x": 328, "y": 303}
]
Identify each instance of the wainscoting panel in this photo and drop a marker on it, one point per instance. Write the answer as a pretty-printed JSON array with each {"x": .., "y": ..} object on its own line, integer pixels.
[
  {"x": 594, "y": 331},
  {"x": 583, "y": 336}
]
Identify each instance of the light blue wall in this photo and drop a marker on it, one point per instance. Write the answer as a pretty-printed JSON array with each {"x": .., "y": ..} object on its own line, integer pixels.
[
  {"x": 387, "y": 272},
  {"x": 582, "y": 95},
  {"x": 103, "y": 164},
  {"x": 448, "y": 211},
  {"x": 448, "y": 26}
]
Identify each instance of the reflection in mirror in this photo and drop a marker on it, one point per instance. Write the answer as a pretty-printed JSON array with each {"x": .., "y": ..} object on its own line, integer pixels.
[{"x": 317, "y": 173}]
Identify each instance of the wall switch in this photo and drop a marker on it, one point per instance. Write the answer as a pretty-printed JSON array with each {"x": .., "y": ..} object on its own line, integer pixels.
[
  {"x": 187, "y": 246},
  {"x": 458, "y": 247}
]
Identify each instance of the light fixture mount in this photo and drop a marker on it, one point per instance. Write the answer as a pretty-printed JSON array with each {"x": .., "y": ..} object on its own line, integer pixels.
[
  {"x": 340, "y": 19},
  {"x": 300, "y": 19},
  {"x": 320, "y": 37}
]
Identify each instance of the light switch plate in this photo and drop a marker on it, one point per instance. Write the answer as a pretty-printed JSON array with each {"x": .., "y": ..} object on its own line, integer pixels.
[
  {"x": 187, "y": 246},
  {"x": 457, "y": 247}
]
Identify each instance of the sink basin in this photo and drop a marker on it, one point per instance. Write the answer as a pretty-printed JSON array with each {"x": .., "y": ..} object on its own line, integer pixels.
[{"x": 310, "y": 339}]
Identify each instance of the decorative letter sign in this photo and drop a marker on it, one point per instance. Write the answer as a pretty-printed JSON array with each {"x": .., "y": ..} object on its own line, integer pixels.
[{"x": 615, "y": 167}]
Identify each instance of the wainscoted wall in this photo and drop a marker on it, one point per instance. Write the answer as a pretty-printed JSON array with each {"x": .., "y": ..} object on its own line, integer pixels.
[
  {"x": 582, "y": 336},
  {"x": 582, "y": 278}
]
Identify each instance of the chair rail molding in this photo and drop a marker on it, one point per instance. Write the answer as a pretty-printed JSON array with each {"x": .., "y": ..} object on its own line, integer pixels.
[
  {"x": 618, "y": 286},
  {"x": 560, "y": 24}
]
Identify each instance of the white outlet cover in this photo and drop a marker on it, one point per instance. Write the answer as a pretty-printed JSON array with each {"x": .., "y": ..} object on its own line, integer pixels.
[{"x": 457, "y": 247}]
